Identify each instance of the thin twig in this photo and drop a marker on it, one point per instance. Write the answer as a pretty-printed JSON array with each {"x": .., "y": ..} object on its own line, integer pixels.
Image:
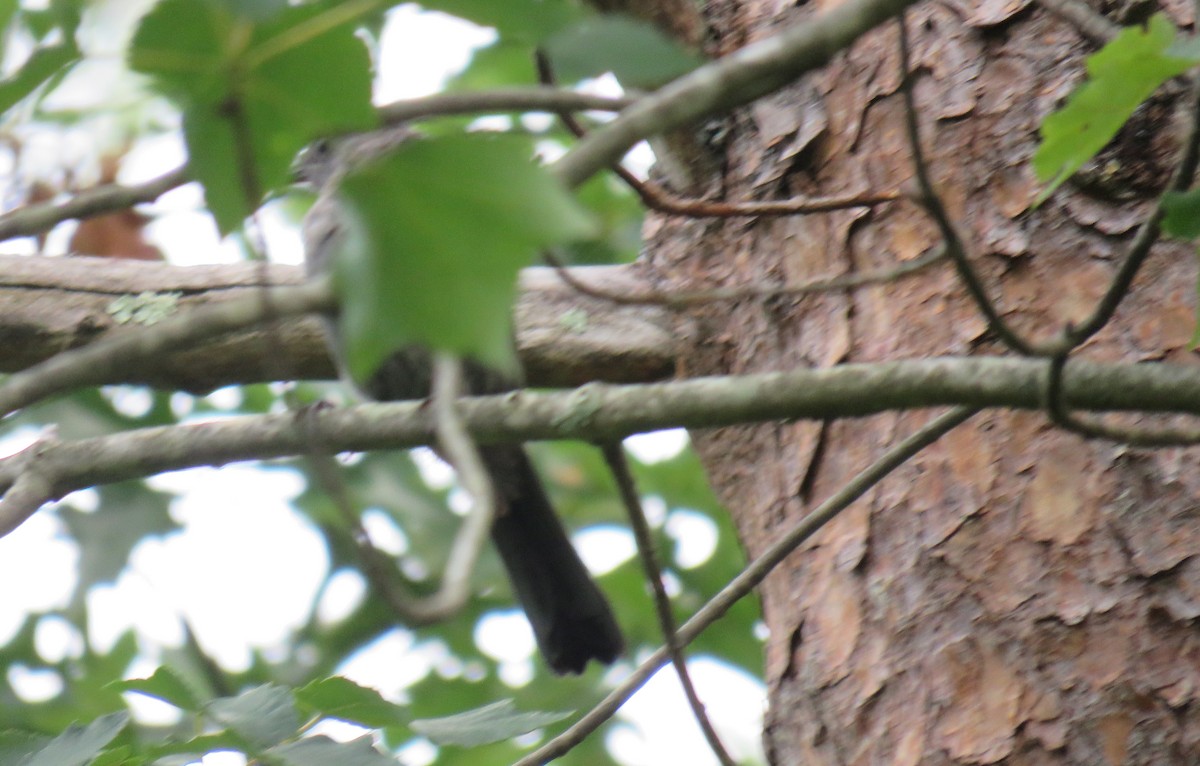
[
  {"x": 614, "y": 456},
  {"x": 1093, "y": 26},
  {"x": 955, "y": 247},
  {"x": 1073, "y": 337},
  {"x": 749, "y": 578},
  {"x": 679, "y": 300},
  {"x": 534, "y": 99},
  {"x": 376, "y": 565},
  {"x": 219, "y": 683},
  {"x": 1147, "y": 235},
  {"x": 1062, "y": 416},
  {"x": 659, "y": 198},
  {"x": 460, "y": 451},
  {"x": 39, "y": 218},
  {"x": 656, "y": 197},
  {"x": 752, "y": 71}
]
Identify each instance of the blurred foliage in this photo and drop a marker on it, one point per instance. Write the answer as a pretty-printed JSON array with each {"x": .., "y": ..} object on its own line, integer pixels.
[
  {"x": 51, "y": 33},
  {"x": 637, "y": 54},
  {"x": 252, "y": 82}
]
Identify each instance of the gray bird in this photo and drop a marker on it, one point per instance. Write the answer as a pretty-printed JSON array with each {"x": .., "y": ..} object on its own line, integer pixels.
[{"x": 570, "y": 616}]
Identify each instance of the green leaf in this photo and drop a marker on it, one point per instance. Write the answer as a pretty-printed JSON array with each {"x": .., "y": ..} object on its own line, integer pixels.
[
  {"x": 504, "y": 62},
  {"x": 436, "y": 233},
  {"x": 635, "y": 51},
  {"x": 94, "y": 672},
  {"x": 77, "y": 746},
  {"x": 8, "y": 9},
  {"x": 1122, "y": 75},
  {"x": 63, "y": 15},
  {"x": 41, "y": 66},
  {"x": 167, "y": 685},
  {"x": 490, "y": 723},
  {"x": 341, "y": 698},
  {"x": 119, "y": 756},
  {"x": 263, "y": 715},
  {"x": 322, "y": 751},
  {"x": 191, "y": 750},
  {"x": 16, "y": 746},
  {"x": 1182, "y": 214},
  {"x": 212, "y": 153},
  {"x": 530, "y": 21},
  {"x": 181, "y": 45},
  {"x": 257, "y": 83}
]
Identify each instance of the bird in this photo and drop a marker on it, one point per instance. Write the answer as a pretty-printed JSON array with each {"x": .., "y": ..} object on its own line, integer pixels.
[{"x": 571, "y": 618}]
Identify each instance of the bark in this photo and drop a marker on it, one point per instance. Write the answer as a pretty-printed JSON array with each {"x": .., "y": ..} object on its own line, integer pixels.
[
  {"x": 1016, "y": 594},
  {"x": 48, "y": 305}
]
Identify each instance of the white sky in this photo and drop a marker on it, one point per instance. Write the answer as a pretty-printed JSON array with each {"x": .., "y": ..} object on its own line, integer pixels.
[{"x": 252, "y": 594}]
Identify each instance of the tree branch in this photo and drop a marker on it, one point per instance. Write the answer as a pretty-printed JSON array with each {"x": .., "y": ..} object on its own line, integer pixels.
[
  {"x": 50, "y": 305},
  {"x": 95, "y": 363},
  {"x": 528, "y": 99},
  {"x": 1062, "y": 417},
  {"x": 659, "y": 198},
  {"x": 739, "y": 78},
  {"x": 680, "y": 299},
  {"x": 602, "y": 412}
]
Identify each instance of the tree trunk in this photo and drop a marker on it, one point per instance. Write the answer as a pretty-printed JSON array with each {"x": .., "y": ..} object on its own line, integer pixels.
[{"x": 1015, "y": 594}]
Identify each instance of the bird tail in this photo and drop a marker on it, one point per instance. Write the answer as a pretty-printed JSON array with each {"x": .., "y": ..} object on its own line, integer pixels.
[{"x": 571, "y": 619}]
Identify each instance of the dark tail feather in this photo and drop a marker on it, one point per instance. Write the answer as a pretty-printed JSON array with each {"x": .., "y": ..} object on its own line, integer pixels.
[{"x": 571, "y": 618}]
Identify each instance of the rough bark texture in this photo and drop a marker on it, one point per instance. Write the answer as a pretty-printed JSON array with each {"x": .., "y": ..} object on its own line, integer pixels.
[{"x": 1015, "y": 594}]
